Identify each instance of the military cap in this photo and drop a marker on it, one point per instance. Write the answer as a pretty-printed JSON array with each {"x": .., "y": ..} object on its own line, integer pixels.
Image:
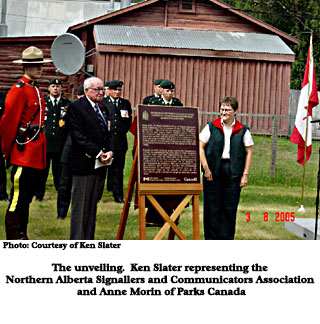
[
  {"x": 55, "y": 81},
  {"x": 167, "y": 84},
  {"x": 80, "y": 90},
  {"x": 157, "y": 81},
  {"x": 113, "y": 85},
  {"x": 106, "y": 84}
]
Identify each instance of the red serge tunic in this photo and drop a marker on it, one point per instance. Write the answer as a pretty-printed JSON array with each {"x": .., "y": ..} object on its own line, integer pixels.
[{"x": 21, "y": 104}]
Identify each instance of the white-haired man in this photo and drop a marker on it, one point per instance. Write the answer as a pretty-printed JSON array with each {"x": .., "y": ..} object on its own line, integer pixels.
[{"x": 90, "y": 152}]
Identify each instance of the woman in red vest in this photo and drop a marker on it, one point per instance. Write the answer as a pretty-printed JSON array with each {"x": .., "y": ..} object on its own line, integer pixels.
[{"x": 225, "y": 154}]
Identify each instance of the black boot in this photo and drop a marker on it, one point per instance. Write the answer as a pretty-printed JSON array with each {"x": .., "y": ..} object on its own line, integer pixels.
[
  {"x": 23, "y": 224},
  {"x": 62, "y": 210},
  {"x": 153, "y": 218},
  {"x": 12, "y": 225}
]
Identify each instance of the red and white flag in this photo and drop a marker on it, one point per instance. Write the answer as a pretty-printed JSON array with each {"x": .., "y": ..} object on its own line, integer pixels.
[{"x": 308, "y": 99}]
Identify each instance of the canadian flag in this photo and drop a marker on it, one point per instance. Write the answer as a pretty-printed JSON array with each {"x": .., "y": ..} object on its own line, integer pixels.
[{"x": 308, "y": 99}]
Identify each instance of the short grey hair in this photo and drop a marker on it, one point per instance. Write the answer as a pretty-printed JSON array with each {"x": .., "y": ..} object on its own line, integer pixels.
[{"x": 87, "y": 82}]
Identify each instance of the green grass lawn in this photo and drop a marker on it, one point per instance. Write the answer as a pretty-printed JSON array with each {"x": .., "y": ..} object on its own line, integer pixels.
[{"x": 260, "y": 197}]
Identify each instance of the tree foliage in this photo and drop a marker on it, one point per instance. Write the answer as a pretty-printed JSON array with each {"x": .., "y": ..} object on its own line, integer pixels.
[{"x": 296, "y": 17}]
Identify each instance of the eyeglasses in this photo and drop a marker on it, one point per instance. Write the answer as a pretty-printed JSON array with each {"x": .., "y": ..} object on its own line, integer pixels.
[
  {"x": 97, "y": 89},
  {"x": 228, "y": 111}
]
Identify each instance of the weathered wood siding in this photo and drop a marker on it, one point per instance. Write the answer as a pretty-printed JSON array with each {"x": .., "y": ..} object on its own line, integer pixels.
[
  {"x": 10, "y": 73},
  {"x": 207, "y": 16},
  {"x": 261, "y": 87}
]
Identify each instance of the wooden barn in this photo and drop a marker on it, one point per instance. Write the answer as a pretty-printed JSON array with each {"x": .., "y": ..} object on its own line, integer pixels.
[
  {"x": 11, "y": 49},
  {"x": 208, "y": 49}
]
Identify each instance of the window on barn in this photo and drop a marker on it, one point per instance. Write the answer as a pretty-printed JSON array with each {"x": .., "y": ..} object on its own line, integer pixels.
[{"x": 187, "y": 6}]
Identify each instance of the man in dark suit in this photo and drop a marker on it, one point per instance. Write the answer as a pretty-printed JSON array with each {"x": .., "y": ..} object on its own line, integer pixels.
[
  {"x": 90, "y": 153},
  {"x": 56, "y": 135},
  {"x": 120, "y": 113},
  {"x": 157, "y": 93},
  {"x": 3, "y": 174}
]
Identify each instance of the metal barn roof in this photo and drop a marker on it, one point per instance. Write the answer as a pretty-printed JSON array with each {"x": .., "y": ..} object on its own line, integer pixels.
[{"x": 190, "y": 39}]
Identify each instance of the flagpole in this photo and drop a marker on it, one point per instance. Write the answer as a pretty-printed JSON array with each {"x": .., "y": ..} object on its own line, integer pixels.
[{"x": 302, "y": 209}]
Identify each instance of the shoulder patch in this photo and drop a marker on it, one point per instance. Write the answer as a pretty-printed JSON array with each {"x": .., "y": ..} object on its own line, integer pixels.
[{"x": 20, "y": 84}]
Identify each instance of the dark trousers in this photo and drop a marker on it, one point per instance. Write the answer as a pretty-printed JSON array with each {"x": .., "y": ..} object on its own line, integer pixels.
[
  {"x": 85, "y": 195},
  {"x": 64, "y": 191},
  {"x": 56, "y": 170},
  {"x": 24, "y": 185},
  {"x": 168, "y": 203},
  {"x": 115, "y": 174},
  {"x": 3, "y": 177},
  {"x": 220, "y": 202}
]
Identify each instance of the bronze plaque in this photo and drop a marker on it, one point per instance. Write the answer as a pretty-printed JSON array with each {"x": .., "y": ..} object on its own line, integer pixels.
[{"x": 168, "y": 144}]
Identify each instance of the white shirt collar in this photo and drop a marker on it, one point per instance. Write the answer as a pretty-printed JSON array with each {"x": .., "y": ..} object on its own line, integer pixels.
[
  {"x": 232, "y": 125},
  {"x": 53, "y": 99},
  {"x": 165, "y": 101},
  {"x": 113, "y": 100},
  {"x": 93, "y": 104}
]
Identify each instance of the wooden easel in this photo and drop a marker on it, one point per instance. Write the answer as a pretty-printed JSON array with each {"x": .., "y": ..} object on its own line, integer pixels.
[{"x": 191, "y": 192}]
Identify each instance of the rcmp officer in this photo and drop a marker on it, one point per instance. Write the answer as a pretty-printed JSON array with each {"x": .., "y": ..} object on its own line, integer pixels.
[
  {"x": 157, "y": 93},
  {"x": 120, "y": 114},
  {"x": 3, "y": 174},
  {"x": 23, "y": 141},
  {"x": 56, "y": 133},
  {"x": 167, "y": 91}
]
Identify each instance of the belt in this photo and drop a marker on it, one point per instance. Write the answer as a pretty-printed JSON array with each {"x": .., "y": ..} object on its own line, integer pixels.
[{"x": 225, "y": 160}]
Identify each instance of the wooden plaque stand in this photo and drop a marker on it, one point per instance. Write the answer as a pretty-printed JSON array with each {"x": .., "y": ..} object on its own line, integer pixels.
[{"x": 191, "y": 192}]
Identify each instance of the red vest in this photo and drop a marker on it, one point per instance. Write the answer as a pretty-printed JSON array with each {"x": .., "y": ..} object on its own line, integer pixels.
[{"x": 21, "y": 104}]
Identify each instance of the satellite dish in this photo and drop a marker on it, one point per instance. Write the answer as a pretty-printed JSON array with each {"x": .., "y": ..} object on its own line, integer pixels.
[{"x": 68, "y": 54}]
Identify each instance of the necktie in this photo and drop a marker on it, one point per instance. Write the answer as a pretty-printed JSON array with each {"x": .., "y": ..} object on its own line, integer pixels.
[
  {"x": 116, "y": 103},
  {"x": 55, "y": 102},
  {"x": 100, "y": 118}
]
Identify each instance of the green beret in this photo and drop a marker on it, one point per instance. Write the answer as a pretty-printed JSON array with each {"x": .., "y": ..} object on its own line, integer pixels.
[
  {"x": 55, "y": 81},
  {"x": 106, "y": 84},
  {"x": 113, "y": 85},
  {"x": 167, "y": 84},
  {"x": 157, "y": 81}
]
